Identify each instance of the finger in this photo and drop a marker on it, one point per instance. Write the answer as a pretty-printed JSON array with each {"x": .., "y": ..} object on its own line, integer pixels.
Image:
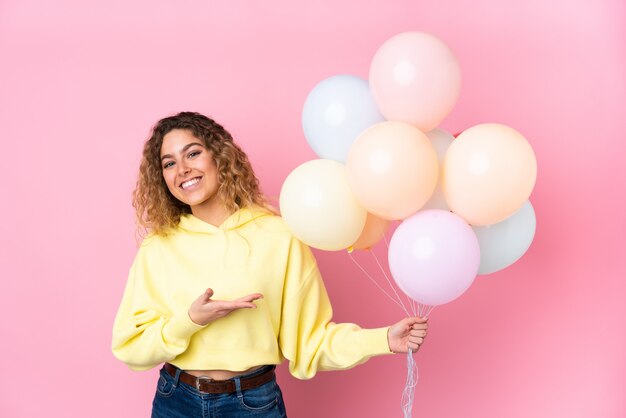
[
  {"x": 413, "y": 346},
  {"x": 416, "y": 340},
  {"x": 415, "y": 322},
  {"x": 417, "y": 326},
  {"x": 245, "y": 305},
  {"x": 249, "y": 298},
  {"x": 236, "y": 304},
  {"x": 206, "y": 296},
  {"x": 418, "y": 333},
  {"x": 407, "y": 323}
]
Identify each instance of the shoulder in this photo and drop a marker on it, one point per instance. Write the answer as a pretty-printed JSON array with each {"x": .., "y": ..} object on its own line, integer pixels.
[
  {"x": 154, "y": 241},
  {"x": 298, "y": 252},
  {"x": 273, "y": 225},
  {"x": 270, "y": 221}
]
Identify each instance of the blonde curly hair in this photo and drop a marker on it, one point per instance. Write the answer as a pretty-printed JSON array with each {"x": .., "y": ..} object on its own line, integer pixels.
[{"x": 157, "y": 210}]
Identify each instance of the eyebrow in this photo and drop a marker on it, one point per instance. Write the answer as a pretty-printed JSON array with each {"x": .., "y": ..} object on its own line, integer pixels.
[{"x": 185, "y": 148}]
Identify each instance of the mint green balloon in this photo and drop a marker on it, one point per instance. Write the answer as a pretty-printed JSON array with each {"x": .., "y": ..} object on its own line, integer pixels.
[{"x": 504, "y": 243}]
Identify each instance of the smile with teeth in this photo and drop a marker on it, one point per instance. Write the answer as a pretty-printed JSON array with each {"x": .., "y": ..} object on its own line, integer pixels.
[{"x": 189, "y": 183}]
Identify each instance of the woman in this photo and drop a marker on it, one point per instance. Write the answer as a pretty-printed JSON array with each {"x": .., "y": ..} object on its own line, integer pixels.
[{"x": 220, "y": 291}]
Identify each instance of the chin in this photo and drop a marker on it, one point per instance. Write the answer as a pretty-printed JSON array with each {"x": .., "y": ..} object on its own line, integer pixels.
[{"x": 196, "y": 202}]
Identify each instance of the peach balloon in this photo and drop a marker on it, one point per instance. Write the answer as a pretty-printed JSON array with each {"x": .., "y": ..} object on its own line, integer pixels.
[
  {"x": 392, "y": 169},
  {"x": 415, "y": 78},
  {"x": 373, "y": 231},
  {"x": 489, "y": 172}
]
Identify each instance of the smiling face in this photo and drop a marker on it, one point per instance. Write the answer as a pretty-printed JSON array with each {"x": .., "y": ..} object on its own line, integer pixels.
[{"x": 189, "y": 171}]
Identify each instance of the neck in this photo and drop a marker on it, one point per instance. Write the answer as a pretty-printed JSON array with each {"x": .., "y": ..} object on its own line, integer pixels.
[{"x": 212, "y": 212}]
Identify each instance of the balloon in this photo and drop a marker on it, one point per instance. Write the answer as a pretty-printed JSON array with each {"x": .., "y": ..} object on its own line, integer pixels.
[
  {"x": 434, "y": 256},
  {"x": 318, "y": 206},
  {"x": 415, "y": 78},
  {"x": 392, "y": 169},
  {"x": 504, "y": 243},
  {"x": 489, "y": 172},
  {"x": 441, "y": 140},
  {"x": 335, "y": 112},
  {"x": 373, "y": 231}
]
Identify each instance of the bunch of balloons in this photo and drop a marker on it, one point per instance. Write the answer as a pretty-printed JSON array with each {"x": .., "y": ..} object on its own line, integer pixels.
[{"x": 462, "y": 202}]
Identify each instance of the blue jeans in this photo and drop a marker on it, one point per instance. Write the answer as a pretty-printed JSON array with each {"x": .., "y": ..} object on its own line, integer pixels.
[{"x": 175, "y": 399}]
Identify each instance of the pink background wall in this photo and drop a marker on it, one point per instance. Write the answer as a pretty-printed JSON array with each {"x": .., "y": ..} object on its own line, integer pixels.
[{"x": 82, "y": 82}]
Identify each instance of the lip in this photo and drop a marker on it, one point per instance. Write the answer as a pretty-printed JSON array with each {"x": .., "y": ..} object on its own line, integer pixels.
[{"x": 190, "y": 178}]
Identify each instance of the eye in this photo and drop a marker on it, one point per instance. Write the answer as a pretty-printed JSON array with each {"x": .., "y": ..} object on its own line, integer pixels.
[
  {"x": 168, "y": 164},
  {"x": 193, "y": 154}
]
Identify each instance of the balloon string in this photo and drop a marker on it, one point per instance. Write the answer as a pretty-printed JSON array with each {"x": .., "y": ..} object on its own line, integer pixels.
[
  {"x": 418, "y": 309},
  {"x": 389, "y": 282},
  {"x": 412, "y": 376},
  {"x": 377, "y": 285},
  {"x": 386, "y": 242},
  {"x": 385, "y": 235},
  {"x": 411, "y": 302},
  {"x": 408, "y": 395},
  {"x": 424, "y": 311}
]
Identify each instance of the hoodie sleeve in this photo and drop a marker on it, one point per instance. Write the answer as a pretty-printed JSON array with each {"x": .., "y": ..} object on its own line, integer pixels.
[
  {"x": 307, "y": 337},
  {"x": 146, "y": 332}
]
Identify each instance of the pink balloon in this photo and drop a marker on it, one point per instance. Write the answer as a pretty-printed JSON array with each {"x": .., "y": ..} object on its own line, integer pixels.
[
  {"x": 434, "y": 256},
  {"x": 415, "y": 78}
]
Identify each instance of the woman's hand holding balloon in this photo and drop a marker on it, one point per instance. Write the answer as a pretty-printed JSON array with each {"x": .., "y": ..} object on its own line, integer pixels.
[{"x": 407, "y": 334}]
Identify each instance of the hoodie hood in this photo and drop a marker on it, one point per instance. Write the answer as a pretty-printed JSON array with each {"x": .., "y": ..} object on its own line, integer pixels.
[{"x": 238, "y": 219}]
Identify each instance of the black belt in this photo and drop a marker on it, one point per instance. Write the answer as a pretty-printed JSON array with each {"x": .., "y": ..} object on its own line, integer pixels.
[{"x": 207, "y": 385}]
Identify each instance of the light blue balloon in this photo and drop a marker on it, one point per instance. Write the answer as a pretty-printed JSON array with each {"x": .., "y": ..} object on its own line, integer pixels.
[
  {"x": 335, "y": 113},
  {"x": 504, "y": 243}
]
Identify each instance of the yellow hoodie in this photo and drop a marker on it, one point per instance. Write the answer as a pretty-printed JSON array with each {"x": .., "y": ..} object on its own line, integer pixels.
[{"x": 252, "y": 251}]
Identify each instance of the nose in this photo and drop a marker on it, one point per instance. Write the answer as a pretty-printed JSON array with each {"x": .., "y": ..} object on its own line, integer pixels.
[{"x": 183, "y": 169}]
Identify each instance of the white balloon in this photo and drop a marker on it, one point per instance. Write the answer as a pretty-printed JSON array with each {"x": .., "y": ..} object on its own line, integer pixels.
[
  {"x": 335, "y": 112},
  {"x": 503, "y": 243}
]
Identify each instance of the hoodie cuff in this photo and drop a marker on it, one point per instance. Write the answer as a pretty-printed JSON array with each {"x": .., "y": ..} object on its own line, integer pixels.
[
  {"x": 181, "y": 327},
  {"x": 376, "y": 339}
]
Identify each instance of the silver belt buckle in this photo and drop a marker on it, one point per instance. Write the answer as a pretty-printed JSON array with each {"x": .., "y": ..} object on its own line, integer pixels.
[{"x": 199, "y": 378}]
